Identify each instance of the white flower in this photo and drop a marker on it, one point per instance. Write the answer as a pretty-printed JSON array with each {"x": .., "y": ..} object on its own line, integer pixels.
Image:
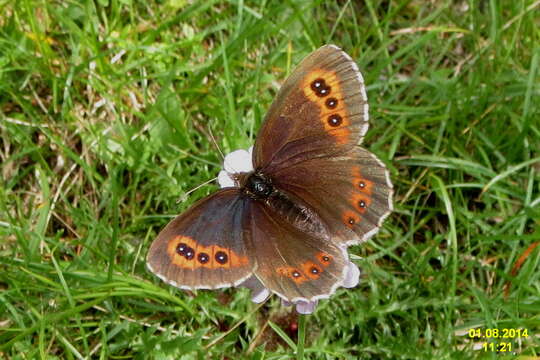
[{"x": 239, "y": 161}]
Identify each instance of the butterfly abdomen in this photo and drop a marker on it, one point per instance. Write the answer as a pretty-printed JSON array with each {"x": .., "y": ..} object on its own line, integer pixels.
[
  {"x": 293, "y": 211},
  {"x": 297, "y": 214}
]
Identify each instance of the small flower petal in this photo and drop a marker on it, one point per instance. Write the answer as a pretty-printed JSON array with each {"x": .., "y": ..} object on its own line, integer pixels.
[
  {"x": 258, "y": 292},
  {"x": 352, "y": 277},
  {"x": 225, "y": 180},
  {"x": 261, "y": 296},
  {"x": 302, "y": 307},
  {"x": 238, "y": 161},
  {"x": 306, "y": 307}
]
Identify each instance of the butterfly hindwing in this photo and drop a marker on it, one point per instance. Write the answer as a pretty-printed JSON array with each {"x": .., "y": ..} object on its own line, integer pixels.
[
  {"x": 293, "y": 263},
  {"x": 352, "y": 192},
  {"x": 204, "y": 248}
]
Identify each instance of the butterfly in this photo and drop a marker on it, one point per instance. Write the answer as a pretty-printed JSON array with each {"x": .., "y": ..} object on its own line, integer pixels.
[{"x": 290, "y": 206}]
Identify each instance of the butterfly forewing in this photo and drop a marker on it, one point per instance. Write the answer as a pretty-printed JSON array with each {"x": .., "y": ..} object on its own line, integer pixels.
[
  {"x": 205, "y": 247},
  {"x": 320, "y": 110}
]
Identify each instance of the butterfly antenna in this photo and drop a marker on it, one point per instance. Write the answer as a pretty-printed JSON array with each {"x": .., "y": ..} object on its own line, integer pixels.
[
  {"x": 215, "y": 143},
  {"x": 219, "y": 150},
  {"x": 184, "y": 197}
]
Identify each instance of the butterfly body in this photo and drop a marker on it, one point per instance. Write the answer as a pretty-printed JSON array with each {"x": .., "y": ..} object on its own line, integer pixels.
[
  {"x": 260, "y": 188},
  {"x": 283, "y": 223}
]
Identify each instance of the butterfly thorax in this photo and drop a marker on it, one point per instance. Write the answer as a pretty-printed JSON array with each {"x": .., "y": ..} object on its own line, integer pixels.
[{"x": 259, "y": 187}]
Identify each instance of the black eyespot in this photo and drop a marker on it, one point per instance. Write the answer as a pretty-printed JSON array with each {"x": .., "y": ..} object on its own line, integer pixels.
[
  {"x": 296, "y": 274},
  {"x": 203, "y": 258},
  {"x": 362, "y": 203},
  {"x": 331, "y": 103},
  {"x": 181, "y": 249},
  {"x": 324, "y": 91},
  {"x": 351, "y": 221},
  {"x": 320, "y": 88},
  {"x": 314, "y": 270},
  {"x": 317, "y": 84},
  {"x": 326, "y": 258},
  {"x": 221, "y": 257},
  {"x": 189, "y": 253},
  {"x": 335, "y": 120},
  {"x": 361, "y": 184}
]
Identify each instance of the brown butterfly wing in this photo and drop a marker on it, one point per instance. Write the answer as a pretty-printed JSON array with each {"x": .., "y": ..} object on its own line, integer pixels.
[
  {"x": 295, "y": 264},
  {"x": 320, "y": 110},
  {"x": 351, "y": 192},
  {"x": 307, "y": 147},
  {"x": 204, "y": 248}
]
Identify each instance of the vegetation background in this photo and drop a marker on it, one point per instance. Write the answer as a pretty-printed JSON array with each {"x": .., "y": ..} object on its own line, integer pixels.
[{"x": 106, "y": 110}]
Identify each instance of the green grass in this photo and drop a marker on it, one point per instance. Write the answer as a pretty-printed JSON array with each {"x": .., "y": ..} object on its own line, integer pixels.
[{"x": 106, "y": 110}]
